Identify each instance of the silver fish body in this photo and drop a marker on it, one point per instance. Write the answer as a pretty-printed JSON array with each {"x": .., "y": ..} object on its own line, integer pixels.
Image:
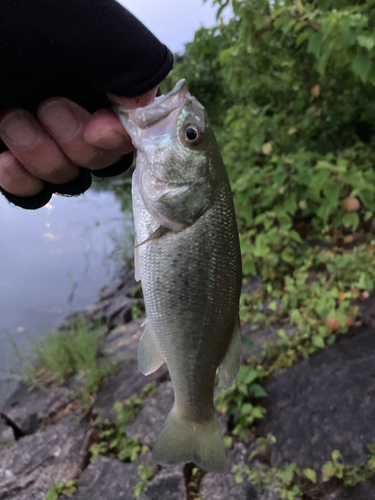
[{"x": 190, "y": 272}]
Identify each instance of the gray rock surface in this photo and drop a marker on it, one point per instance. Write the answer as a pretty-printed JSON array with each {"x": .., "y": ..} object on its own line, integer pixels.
[
  {"x": 224, "y": 486},
  {"x": 261, "y": 335},
  {"x": 108, "y": 479},
  {"x": 35, "y": 463},
  {"x": 122, "y": 342},
  {"x": 149, "y": 422},
  {"x": 27, "y": 408},
  {"x": 325, "y": 403},
  {"x": 114, "y": 305},
  {"x": 364, "y": 491},
  {"x": 123, "y": 383},
  {"x": 166, "y": 485}
]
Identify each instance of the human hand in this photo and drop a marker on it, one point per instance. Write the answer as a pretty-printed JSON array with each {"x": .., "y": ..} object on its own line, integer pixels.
[{"x": 63, "y": 137}]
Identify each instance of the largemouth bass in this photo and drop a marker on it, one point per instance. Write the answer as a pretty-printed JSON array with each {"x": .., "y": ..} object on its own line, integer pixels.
[{"x": 190, "y": 268}]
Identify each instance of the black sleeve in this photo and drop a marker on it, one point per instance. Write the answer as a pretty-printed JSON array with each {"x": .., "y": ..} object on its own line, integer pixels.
[{"x": 79, "y": 49}]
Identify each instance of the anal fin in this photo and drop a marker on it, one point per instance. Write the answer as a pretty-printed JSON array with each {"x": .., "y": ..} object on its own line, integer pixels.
[
  {"x": 149, "y": 356},
  {"x": 230, "y": 365}
]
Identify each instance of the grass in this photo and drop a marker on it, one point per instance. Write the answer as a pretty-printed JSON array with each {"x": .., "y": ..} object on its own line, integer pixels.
[{"x": 63, "y": 354}]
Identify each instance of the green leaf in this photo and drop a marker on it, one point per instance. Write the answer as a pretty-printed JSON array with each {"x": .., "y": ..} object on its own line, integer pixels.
[
  {"x": 332, "y": 193},
  {"x": 246, "y": 342},
  {"x": 247, "y": 374},
  {"x": 367, "y": 198},
  {"x": 52, "y": 494},
  {"x": 258, "y": 391},
  {"x": 238, "y": 477},
  {"x": 324, "y": 211},
  {"x": 302, "y": 37},
  {"x": 310, "y": 474},
  {"x": 288, "y": 255},
  {"x": 315, "y": 43},
  {"x": 328, "y": 471},
  {"x": 318, "y": 341},
  {"x": 287, "y": 474},
  {"x": 366, "y": 42},
  {"x": 228, "y": 440},
  {"x": 351, "y": 220},
  {"x": 361, "y": 65},
  {"x": 365, "y": 282}
]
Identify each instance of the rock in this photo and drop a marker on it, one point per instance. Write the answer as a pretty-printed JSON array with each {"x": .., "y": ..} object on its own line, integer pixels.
[
  {"x": 108, "y": 291},
  {"x": 123, "y": 383},
  {"x": 6, "y": 433},
  {"x": 35, "y": 463},
  {"x": 27, "y": 408},
  {"x": 118, "y": 311},
  {"x": 7, "y": 386},
  {"x": 261, "y": 335},
  {"x": 364, "y": 491},
  {"x": 166, "y": 485},
  {"x": 324, "y": 403},
  {"x": 122, "y": 342},
  {"x": 114, "y": 306},
  {"x": 128, "y": 280},
  {"x": 251, "y": 284},
  {"x": 224, "y": 486},
  {"x": 367, "y": 308},
  {"x": 149, "y": 422},
  {"x": 109, "y": 479}
]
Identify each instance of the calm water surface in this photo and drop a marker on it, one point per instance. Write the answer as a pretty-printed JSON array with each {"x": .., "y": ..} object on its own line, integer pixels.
[{"x": 54, "y": 261}]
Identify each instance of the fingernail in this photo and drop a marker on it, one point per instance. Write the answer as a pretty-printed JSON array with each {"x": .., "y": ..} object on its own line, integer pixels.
[
  {"x": 19, "y": 129},
  {"x": 60, "y": 120}
]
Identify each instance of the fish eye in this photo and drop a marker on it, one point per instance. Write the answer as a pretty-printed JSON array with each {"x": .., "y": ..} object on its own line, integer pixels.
[{"x": 192, "y": 135}]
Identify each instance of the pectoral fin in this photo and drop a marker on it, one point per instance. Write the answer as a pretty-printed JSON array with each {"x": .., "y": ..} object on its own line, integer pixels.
[
  {"x": 160, "y": 231},
  {"x": 149, "y": 356},
  {"x": 137, "y": 275},
  {"x": 230, "y": 365}
]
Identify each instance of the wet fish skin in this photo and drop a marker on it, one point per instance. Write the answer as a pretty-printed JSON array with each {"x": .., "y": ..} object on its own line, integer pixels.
[{"x": 191, "y": 274}]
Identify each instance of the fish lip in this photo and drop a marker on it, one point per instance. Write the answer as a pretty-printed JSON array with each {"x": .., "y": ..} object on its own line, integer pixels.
[
  {"x": 147, "y": 116},
  {"x": 176, "y": 89}
]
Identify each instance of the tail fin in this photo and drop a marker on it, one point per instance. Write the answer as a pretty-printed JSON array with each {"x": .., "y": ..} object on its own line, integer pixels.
[{"x": 182, "y": 441}]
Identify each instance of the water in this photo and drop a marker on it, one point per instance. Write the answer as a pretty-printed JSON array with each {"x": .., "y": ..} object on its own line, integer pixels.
[{"x": 54, "y": 261}]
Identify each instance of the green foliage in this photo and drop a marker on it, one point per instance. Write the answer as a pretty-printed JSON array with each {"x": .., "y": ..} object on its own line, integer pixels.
[
  {"x": 350, "y": 475},
  {"x": 112, "y": 440},
  {"x": 239, "y": 401},
  {"x": 146, "y": 475},
  {"x": 320, "y": 289},
  {"x": 63, "y": 354},
  {"x": 67, "y": 488},
  {"x": 293, "y": 482}
]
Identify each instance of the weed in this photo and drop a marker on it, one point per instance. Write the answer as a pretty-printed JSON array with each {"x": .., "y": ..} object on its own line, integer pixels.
[
  {"x": 146, "y": 475},
  {"x": 237, "y": 401},
  {"x": 293, "y": 482},
  {"x": 112, "y": 439},
  {"x": 350, "y": 475},
  {"x": 138, "y": 309},
  {"x": 63, "y": 354},
  {"x": 67, "y": 488}
]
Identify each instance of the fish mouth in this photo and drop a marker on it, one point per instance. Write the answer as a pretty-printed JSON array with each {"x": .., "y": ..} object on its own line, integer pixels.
[{"x": 158, "y": 110}]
